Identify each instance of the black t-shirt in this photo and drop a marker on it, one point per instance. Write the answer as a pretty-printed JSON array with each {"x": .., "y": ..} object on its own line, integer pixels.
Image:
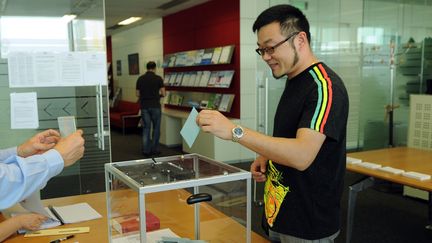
[
  {"x": 149, "y": 85},
  {"x": 306, "y": 204}
]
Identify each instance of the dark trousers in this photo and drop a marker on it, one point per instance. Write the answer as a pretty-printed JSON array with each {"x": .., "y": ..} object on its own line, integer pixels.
[{"x": 151, "y": 121}]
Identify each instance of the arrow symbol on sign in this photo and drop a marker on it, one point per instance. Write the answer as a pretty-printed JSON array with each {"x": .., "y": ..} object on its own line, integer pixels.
[
  {"x": 83, "y": 106},
  {"x": 46, "y": 108},
  {"x": 64, "y": 108}
]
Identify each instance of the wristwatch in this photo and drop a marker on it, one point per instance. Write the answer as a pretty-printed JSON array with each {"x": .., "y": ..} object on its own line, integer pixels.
[{"x": 237, "y": 133}]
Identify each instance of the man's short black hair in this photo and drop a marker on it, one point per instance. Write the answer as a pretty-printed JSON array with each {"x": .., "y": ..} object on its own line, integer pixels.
[
  {"x": 151, "y": 65},
  {"x": 290, "y": 18}
]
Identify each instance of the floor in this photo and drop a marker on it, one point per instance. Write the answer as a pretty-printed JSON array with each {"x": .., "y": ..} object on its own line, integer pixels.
[{"x": 382, "y": 214}]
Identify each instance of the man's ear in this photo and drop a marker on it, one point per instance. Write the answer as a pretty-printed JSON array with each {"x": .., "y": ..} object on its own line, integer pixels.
[
  {"x": 301, "y": 39},
  {"x": 301, "y": 42}
]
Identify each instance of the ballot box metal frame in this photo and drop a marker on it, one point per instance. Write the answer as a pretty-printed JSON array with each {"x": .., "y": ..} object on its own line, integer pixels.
[{"x": 223, "y": 173}]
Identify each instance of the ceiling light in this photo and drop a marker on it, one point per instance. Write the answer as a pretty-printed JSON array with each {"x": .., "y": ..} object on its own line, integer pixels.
[
  {"x": 68, "y": 17},
  {"x": 129, "y": 20}
]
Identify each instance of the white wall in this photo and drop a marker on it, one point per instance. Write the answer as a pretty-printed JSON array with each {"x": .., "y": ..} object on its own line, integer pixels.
[
  {"x": 147, "y": 41},
  {"x": 249, "y": 61}
]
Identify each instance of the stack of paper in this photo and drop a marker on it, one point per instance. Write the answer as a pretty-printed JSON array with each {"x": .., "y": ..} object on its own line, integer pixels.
[
  {"x": 416, "y": 175},
  {"x": 351, "y": 160},
  {"x": 369, "y": 165},
  {"x": 59, "y": 215},
  {"x": 75, "y": 213},
  {"x": 391, "y": 170}
]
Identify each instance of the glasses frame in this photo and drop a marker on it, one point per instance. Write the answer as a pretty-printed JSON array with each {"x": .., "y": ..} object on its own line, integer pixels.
[{"x": 270, "y": 50}]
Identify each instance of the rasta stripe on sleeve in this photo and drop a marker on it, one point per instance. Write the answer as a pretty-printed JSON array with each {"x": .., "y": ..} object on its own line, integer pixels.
[
  {"x": 330, "y": 96},
  {"x": 325, "y": 96}
]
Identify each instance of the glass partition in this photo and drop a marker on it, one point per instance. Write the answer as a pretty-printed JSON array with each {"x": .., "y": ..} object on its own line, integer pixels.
[
  {"x": 57, "y": 50},
  {"x": 360, "y": 40},
  {"x": 395, "y": 64}
]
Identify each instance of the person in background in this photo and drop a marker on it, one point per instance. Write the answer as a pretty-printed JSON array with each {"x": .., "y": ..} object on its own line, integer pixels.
[
  {"x": 303, "y": 163},
  {"x": 27, "y": 168},
  {"x": 149, "y": 89}
]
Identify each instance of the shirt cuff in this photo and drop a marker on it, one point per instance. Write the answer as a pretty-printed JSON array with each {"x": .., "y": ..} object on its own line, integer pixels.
[{"x": 55, "y": 162}]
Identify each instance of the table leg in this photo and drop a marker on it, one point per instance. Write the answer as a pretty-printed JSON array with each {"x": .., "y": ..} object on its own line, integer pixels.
[
  {"x": 258, "y": 202},
  {"x": 123, "y": 125},
  {"x": 355, "y": 188},
  {"x": 429, "y": 226}
]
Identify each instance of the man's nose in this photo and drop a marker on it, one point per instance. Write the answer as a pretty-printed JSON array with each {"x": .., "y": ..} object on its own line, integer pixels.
[{"x": 266, "y": 56}]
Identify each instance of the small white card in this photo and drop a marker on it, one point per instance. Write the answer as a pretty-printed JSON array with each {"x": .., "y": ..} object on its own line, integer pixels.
[
  {"x": 190, "y": 129},
  {"x": 66, "y": 125}
]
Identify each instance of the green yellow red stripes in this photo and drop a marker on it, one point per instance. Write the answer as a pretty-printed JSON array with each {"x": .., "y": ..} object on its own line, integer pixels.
[{"x": 325, "y": 97}]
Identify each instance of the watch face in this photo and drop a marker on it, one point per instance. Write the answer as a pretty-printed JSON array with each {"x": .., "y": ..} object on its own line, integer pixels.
[{"x": 238, "y": 131}]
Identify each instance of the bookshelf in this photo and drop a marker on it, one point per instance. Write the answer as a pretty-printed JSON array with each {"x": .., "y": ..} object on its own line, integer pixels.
[{"x": 202, "y": 78}]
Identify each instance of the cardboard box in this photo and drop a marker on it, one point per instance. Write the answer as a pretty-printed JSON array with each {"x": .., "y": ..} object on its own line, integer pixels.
[{"x": 130, "y": 223}]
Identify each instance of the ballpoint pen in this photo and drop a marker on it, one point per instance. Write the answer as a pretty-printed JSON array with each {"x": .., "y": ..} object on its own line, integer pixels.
[{"x": 62, "y": 239}]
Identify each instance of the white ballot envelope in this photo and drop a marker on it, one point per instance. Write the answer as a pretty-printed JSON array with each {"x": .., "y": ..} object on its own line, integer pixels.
[{"x": 66, "y": 125}]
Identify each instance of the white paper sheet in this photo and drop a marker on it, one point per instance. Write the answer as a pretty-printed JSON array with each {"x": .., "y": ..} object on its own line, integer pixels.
[
  {"x": 34, "y": 204},
  {"x": 20, "y": 69},
  {"x": 70, "y": 69},
  {"x": 24, "y": 112},
  {"x": 54, "y": 69},
  {"x": 46, "y": 69},
  {"x": 95, "y": 71},
  {"x": 77, "y": 213}
]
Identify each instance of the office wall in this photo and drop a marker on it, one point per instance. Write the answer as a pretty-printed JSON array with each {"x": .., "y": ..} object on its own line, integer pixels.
[
  {"x": 146, "y": 40},
  {"x": 250, "y": 61}
]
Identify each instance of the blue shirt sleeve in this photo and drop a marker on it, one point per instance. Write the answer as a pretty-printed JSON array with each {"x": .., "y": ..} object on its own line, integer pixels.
[
  {"x": 6, "y": 153},
  {"x": 20, "y": 177}
]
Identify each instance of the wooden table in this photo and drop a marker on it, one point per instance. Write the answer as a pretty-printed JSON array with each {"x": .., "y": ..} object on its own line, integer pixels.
[
  {"x": 214, "y": 220},
  {"x": 407, "y": 159}
]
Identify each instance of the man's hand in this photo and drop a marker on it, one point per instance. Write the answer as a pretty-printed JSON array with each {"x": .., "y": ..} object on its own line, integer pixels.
[
  {"x": 258, "y": 169},
  {"x": 39, "y": 143},
  {"x": 71, "y": 148},
  {"x": 216, "y": 123},
  {"x": 30, "y": 221}
]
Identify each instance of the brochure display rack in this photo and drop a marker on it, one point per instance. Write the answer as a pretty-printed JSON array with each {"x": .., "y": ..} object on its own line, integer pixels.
[{"x": 201, "y": 79}]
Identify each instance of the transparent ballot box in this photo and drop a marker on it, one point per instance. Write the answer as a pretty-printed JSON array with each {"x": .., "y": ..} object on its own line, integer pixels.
[{"x": 178, "y": 198}]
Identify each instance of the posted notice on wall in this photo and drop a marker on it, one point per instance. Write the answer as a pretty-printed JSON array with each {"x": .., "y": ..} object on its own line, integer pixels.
[
  {"x": 54, "y": 69},
  {"x": 24, "y": 111}
]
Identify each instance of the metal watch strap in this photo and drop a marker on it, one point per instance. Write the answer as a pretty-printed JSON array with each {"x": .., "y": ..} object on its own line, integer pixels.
[{"x": 235, "y": 137}]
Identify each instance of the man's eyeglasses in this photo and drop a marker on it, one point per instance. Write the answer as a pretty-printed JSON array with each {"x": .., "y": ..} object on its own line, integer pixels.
[{"x": 270, "y": 50}]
